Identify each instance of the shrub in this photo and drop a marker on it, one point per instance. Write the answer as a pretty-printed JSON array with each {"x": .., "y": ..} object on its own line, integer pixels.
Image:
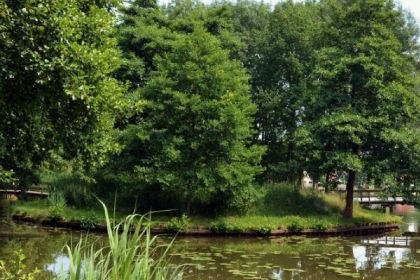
[
  {"x": 221, "y": 226},
  {"x": 90, "y": 221},
  {"x": 178, "y": 224},
  {"x": 320, "y": 226},
  {"x": 56, "y": 204},
  {"x": 245, "y": 200},
  {"x": 295, "y": 225},
  {"x": 265, "y": 230}
]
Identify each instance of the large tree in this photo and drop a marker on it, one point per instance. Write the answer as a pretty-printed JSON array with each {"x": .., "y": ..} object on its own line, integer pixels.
[
  {"x": 144, "y": 32},
  {"x": 364, "y": 103},
  {"x": 56, "y": 57},
  {"x": 197, "y": 124},
  {"x": 283, "y": 59},
  {"x": 147, "y": 30}
]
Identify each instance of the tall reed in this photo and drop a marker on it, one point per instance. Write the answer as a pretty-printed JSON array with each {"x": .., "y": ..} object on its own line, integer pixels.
[{"x": 131, "y": 254}]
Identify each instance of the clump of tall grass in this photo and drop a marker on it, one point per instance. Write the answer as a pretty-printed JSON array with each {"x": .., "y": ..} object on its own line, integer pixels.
[
  {"x": 131, "y": 254},
  {"x": 56, "y": 204},
  {"x": 284, "y": 199},
  {"x": 334, "y": 201}
]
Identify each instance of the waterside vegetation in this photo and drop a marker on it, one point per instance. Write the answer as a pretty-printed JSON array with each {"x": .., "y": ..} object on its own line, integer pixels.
[
  {"x": 300, "y": 210},
  {"x": 208, "y": 109},
  {"x": 129, "y": 253}
]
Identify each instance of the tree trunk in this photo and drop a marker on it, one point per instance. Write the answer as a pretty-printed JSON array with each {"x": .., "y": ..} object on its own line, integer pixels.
[
  {"x": 289, "y": 150},
  {"x": 327, "y": 182},
  {"x": 348, "y": 212},
  {"x": 299, "y": 186},
  {"x": 189, "y": 204}
]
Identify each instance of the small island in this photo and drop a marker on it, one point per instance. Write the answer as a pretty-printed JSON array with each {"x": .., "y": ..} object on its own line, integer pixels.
[{"x": 189, "y": 139}]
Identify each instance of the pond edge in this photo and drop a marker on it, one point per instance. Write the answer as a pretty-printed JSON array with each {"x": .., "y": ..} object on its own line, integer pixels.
[{"x": 367, "y": 229}]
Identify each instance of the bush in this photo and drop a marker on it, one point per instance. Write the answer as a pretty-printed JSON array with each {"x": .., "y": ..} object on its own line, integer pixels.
[
  {"x": 178, "y": 224},
  {"x": 221, "y": 226},
  {"x": 295, "y": 225},
  {"x": 245, "y": 200},
  {"x": 320, "y": 227},
  {"x": 265, "y": 230},
  {"x": 56, "y": 204},
  {"x": 7, "y": 177},
  {"x": 90, "y": 221}
]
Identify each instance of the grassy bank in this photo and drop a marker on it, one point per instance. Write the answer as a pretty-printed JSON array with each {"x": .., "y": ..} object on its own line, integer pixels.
[{"x": 281, "y": 209}]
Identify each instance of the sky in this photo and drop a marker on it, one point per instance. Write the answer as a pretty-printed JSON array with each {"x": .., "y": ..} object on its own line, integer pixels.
[{"x": 413, "y": 6}]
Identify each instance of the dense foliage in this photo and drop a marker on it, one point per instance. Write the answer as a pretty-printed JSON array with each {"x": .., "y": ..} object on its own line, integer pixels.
[
  {"x": 363, "y": 103},
  {"x": 329, "y": 87},
  {"x": 56, "y": 92}
]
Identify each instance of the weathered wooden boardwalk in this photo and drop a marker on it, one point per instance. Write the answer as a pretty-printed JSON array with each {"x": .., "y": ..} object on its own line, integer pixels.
[
  {"x": 374, "y": 197},
  {"x": 34, "y": 194}
]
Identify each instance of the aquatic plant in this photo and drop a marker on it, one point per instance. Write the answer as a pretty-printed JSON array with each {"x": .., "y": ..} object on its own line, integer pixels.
[
  {"x": 16, "y": 269},
  {"x": 131, "y": 253}
]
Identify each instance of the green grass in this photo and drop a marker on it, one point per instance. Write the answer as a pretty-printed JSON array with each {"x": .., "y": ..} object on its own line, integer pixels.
[
  {"x": 298, "y": 223},
  {"x": 39, "y": 209},
  {"x": 266, "y": 223},
  {"x": 284, "y": 208}
]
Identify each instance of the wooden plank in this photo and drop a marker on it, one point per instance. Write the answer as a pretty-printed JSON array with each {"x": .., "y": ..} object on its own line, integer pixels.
[{"x": 29, "y": 193}]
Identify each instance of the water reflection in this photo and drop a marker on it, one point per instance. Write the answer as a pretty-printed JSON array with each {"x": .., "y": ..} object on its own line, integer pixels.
[
  {"x": 382, "y": 252},
  {"x": 411, "y": 218},
  {"x": 380, "y": 257},
  {"x": 277, "y": 274},
  {"x": 361, "y": 257},
  {"x": 61, "y": 263},
  {"x": 282, "y": 258}
]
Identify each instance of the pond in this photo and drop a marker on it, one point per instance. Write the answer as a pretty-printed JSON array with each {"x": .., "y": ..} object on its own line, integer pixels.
[{"x": 391, "y": 256}]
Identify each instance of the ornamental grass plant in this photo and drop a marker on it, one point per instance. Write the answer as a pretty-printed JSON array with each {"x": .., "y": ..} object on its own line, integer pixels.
[{"x": 130, "y": 253}]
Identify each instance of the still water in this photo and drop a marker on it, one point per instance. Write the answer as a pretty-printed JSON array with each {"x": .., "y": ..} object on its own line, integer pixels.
[{"x": 391, "y": 256}]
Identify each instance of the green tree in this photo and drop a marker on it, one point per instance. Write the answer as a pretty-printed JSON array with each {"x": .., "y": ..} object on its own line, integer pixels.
[
  {"x": 143, "y": 33},
  {"x": 148, "y": 30},
  {"x": 197, "y": 125},
  {"x": 250, "y": 21},
  {"x": 56, "y": 57},
  {"x": 281, "y": 65},
  {"x": 364, "y": 104}
]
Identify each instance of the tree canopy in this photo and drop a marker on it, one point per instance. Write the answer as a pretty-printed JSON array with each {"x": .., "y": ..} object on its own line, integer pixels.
[
  {"x": 364, "y": 102},
  {"x": 204, "y": 103},
  {"x": 55, "y": 86},
  {"x": 196, "y": 125}
]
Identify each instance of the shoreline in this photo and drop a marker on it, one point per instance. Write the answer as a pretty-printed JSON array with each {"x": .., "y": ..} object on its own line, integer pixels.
[{"x": 360, "y": 230}]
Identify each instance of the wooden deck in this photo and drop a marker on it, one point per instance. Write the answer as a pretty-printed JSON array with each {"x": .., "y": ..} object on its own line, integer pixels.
[
  {"x": 373, "y": 197},
  {"x": 34, "y": 194}
]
